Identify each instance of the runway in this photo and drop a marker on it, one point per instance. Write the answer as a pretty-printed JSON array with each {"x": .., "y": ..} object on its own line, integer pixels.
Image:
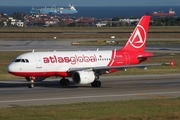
[
  {"x": 65, "y": 45},
  {"x": 48, "y": 92}
]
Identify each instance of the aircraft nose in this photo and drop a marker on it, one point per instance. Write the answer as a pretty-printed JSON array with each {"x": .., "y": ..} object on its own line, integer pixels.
[{"x": 11, "y": 68}]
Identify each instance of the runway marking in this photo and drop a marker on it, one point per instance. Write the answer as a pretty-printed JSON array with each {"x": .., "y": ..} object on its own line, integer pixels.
[{"x": 84, "y": 97}]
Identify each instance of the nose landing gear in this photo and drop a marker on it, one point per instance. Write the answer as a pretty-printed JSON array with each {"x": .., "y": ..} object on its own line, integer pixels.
[{"x": 31, "y": 84}]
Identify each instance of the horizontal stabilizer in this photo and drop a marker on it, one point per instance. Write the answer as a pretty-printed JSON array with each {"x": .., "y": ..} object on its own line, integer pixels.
[{"x": 156, "y": 56}]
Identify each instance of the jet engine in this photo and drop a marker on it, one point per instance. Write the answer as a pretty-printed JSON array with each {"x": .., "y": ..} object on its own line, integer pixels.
[
  {"x": 83, "y": 77},
  {"x": 36, "y": 79}
]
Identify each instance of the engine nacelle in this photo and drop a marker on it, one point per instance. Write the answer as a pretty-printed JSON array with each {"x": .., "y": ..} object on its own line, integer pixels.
[
  {"x": 83, "y": 77},
  {"x": 36, "y": 79}
]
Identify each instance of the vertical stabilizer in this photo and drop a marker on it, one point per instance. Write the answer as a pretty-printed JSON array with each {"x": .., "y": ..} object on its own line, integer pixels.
[{"x": 137, "y": 40}]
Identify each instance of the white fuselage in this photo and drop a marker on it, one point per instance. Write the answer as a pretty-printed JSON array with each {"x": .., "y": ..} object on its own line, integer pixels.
[{"x": 58, "y": 63}]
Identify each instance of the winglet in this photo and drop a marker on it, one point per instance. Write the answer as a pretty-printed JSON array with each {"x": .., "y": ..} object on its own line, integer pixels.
[{"x": 172, "y": 63}]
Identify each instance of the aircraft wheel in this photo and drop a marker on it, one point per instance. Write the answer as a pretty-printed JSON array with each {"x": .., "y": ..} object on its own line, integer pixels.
[
  {"x": 64, "y": 82},
  {"x": 96, "y": 84},
  {"x": 31, "y": 85}
]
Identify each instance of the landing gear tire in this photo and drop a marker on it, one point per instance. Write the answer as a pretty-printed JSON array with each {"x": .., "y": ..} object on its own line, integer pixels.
[
  {"x": 31, "y": 81},
  {"x": 31, "y": 85},
  {"x": 64, "y": 82},
  {"x": 96, "y": 84}
]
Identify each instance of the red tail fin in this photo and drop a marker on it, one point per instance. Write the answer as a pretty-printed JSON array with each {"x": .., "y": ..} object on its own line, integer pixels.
[{"x": 137, "y": 40}]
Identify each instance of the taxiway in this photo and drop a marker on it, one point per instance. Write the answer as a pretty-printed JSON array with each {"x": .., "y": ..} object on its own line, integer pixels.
[{"x": 48, "y": 92}]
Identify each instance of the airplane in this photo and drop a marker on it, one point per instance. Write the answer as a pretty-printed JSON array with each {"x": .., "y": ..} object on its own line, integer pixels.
[{"x": 84, "y": 67}]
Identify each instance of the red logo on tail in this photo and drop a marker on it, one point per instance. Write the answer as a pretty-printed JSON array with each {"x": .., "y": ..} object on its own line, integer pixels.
[{"x": 138, "y": 38}]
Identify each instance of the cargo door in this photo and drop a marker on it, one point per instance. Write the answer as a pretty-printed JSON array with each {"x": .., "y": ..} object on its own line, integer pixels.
[{"x": 38, "y": 61}]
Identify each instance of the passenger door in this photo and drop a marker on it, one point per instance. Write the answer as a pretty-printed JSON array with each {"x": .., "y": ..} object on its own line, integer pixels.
[{"x": 38, "y": 61}]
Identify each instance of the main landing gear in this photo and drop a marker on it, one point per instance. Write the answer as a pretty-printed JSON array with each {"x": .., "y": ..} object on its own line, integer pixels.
[
  {"x": 96, "y": 82},
  {"x": 64, "y": 82}
]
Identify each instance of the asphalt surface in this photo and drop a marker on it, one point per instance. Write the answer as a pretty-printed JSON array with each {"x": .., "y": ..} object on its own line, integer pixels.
[{"x": 48, "y": 92}]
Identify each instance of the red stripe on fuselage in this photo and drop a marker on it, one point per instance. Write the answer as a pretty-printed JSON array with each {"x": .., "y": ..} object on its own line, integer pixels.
[{"x": 46, "y": 74}]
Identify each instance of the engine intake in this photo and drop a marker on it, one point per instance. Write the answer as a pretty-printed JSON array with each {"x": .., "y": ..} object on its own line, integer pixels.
[{"x": 83, "y": 77}]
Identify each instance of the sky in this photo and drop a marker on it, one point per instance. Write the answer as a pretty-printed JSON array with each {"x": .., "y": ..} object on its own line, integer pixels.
[{"x": 90, "y": 2}]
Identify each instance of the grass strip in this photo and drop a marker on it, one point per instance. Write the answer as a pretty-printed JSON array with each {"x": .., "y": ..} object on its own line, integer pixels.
[
  {"x": 86, "y": 32},
  {"x": 146, "y": 109},
  {"x": 167, "y": 29},
  {"x": 83, "y": 35}
]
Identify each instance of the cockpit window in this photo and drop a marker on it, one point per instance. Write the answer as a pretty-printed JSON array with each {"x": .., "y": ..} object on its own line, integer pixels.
[
  {"x": 27, "y": 60},
  {"x": 22, "y": 60},
  {"x": 17, "y": 60}
]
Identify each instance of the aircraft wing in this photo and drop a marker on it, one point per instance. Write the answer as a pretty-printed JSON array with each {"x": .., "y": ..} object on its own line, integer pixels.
[{"x": 106, "y": 68}]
